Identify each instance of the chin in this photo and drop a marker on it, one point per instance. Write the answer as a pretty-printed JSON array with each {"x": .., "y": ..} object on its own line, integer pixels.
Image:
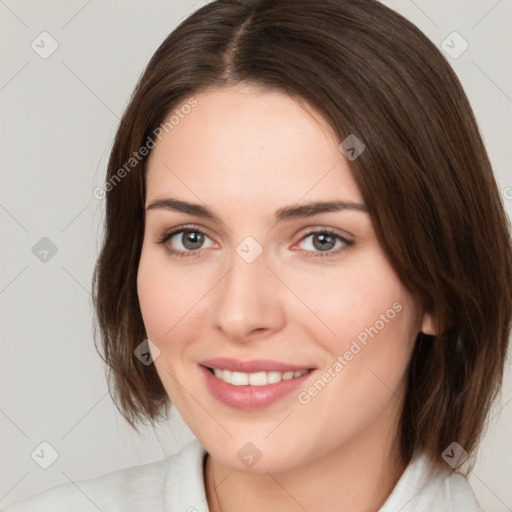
[{"x": 253, "y": 456}]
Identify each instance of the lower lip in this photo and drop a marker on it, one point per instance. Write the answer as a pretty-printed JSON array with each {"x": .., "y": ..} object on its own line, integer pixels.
[{"x": 251, "y": 398}]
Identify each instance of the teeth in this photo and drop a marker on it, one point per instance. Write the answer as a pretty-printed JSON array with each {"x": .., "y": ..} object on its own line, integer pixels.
[
  {"x": 239, "y": 379},
  {"x": 255, "y": 379}
]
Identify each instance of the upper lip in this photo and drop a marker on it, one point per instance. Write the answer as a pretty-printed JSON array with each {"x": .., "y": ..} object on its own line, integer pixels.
[{"x": 252, "y": 366}]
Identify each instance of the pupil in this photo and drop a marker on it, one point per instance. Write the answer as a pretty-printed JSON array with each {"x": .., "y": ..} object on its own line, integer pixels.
[
  {"x": 193, "y": 240},
  {"x": 327, "y": 242}
]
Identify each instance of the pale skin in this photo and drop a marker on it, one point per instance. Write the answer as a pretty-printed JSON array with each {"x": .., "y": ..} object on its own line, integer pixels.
[{"x": 245, "y": 152}]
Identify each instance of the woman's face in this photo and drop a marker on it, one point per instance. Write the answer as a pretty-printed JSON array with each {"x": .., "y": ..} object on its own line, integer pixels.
[{"x": 268, "y": 286}]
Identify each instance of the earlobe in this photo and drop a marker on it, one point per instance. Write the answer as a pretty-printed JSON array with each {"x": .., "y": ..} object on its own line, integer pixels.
[{"x": 428, "y": 325}]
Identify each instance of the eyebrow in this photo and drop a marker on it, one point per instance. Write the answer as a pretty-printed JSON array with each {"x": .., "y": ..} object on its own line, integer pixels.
[{"x": 282, "y": 214}]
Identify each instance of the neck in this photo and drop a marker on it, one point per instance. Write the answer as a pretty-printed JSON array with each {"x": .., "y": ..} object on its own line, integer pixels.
[{"x": 356, "y": 477}]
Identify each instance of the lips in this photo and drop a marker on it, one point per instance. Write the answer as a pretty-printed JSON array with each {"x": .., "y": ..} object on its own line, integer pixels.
[
  {"x": 252, "y": 366},
  {"x": 258, "y": 395}
]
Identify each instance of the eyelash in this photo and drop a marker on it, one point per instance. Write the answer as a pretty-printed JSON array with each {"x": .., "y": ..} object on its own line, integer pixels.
[{"x": 162, "y": 240}]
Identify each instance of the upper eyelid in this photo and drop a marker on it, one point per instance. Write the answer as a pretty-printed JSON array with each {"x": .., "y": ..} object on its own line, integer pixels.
[
  {"x": 174, "y": 231},
  {"x": 310, "y": 231}
]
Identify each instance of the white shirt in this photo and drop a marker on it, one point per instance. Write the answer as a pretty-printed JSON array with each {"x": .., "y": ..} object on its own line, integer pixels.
[{"x": 175, "y": 484}]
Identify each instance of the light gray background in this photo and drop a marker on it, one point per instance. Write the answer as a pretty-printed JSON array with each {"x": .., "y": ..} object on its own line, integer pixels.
[{"x": 58, "y": 118}]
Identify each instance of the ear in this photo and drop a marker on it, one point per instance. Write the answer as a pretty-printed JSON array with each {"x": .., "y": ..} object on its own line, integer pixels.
[{"x": 428, "y": 325}]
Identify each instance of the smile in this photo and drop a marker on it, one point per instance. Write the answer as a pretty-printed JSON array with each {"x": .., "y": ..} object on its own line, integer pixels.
[
  {"x": 253, "y": 385},
  {"x": 261, "y": 378}
]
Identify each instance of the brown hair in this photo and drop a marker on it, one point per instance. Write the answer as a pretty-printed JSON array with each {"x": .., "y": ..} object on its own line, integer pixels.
[{"x": 425, "y": 177}]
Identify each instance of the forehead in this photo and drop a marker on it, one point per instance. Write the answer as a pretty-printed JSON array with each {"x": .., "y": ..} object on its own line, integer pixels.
[{"x": 245, "y": 143}]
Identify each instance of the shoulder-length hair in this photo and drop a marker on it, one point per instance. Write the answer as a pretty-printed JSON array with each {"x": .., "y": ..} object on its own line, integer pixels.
[{"x": 425, "y": 177}]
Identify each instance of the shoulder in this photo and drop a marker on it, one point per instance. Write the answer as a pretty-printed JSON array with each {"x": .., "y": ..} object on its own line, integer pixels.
[
  {"x": 421, "y": 490},
  {"x": 152, "y": 486}
]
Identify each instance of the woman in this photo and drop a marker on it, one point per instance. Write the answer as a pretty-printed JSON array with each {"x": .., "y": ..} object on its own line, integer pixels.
[{"x": 306, "y": 253}]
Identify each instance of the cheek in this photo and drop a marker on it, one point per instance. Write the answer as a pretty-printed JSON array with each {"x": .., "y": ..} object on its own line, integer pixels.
[
  {"x": 174, "y": 305},
  {"x": 166, "y": 304},
  {"x": 359, "y": 301},
  {"x": 151, "y": 292},
  {"x": 375, "y": 324},
  {"x": 166, "y": 294},
  {"x": 161, "y": 296}
]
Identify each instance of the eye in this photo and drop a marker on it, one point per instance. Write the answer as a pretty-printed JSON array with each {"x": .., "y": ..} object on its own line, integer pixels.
[
  {"x": 324, "y": 243},
  {"x": 189, "y": 241},
  {"x": 184, "y": 241}
]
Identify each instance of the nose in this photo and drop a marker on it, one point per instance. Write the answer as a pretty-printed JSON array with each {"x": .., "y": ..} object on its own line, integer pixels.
[{"x": 248, "y": 301}]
